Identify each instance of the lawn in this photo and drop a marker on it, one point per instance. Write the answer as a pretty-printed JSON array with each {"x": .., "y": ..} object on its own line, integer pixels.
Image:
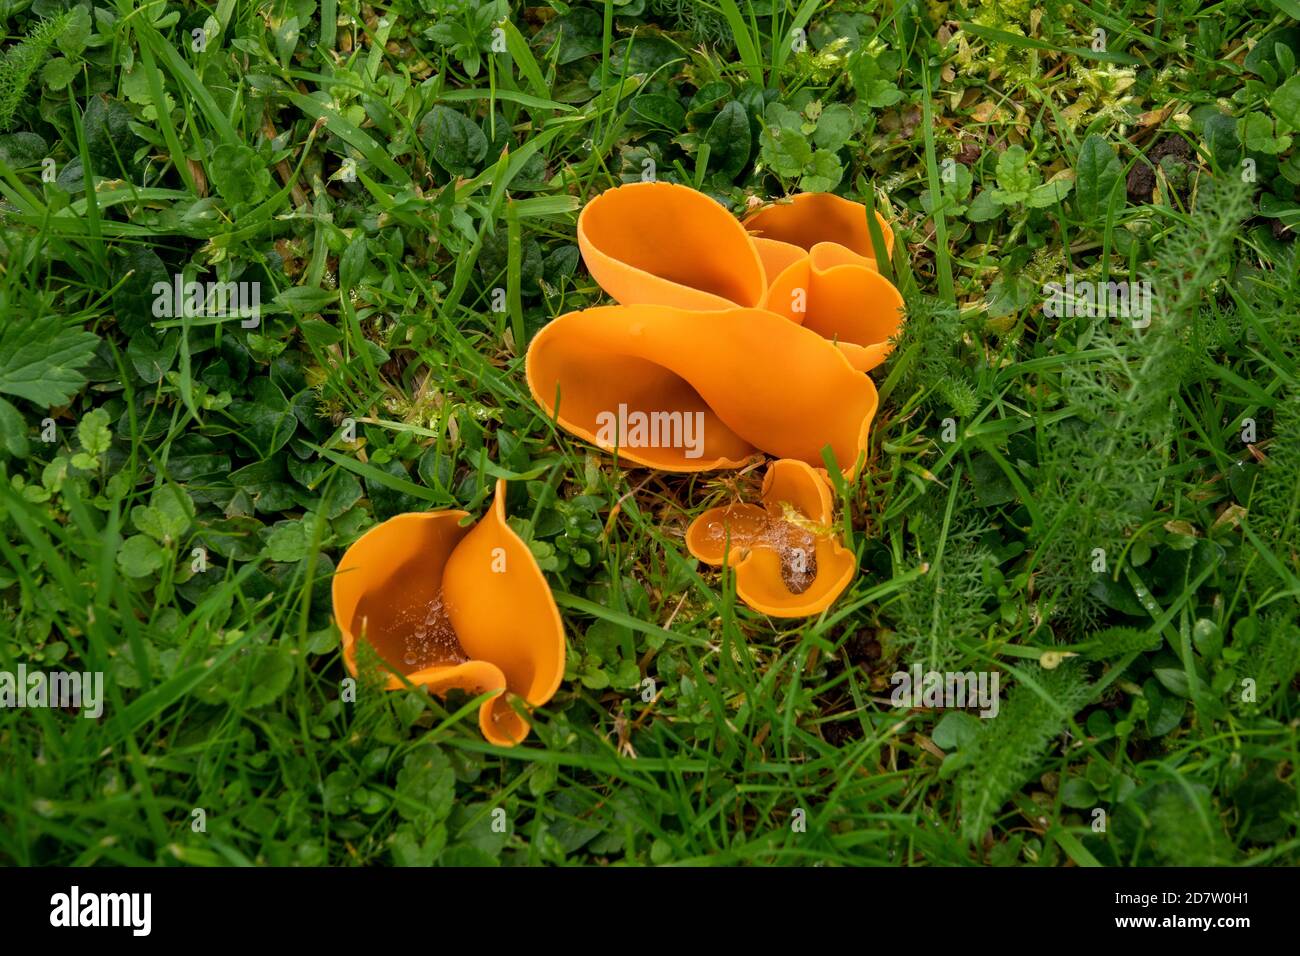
[{"x": 1099, "y": 507}]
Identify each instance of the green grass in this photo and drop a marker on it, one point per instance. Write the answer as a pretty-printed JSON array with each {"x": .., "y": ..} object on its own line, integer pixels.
[{"x": 383, "y": 171}]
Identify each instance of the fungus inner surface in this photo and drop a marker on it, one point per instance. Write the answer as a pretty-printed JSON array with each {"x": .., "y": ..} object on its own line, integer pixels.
[
  {"x": 409, "y": 627},
  {"x": 794, "y": 545}
]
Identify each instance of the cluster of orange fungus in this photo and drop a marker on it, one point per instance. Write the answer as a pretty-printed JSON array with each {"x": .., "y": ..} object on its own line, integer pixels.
[
  {"x": 450, "y": 607},
  {"x": 730, "y": 340},
  {"x": 787, "y": 558},
  {"x": 758, "y": 331}
]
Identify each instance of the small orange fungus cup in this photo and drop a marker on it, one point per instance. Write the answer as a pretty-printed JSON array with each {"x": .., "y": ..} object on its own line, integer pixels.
[
  {"x": 450, "y": 607},
  {"x": 755, "y": 334},
  {"x": 787, "y": 558},
  {"x": 821, "y": 273}
]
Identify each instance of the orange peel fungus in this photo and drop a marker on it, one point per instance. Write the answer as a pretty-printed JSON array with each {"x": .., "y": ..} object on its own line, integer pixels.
[
  {"x": 822, "y": 273},
  {"x": 730, "y": 339},
  {"x": 787, "y": 558},
  {"x": 706, "y": 389},
  {"x": 450, "y": 607}
]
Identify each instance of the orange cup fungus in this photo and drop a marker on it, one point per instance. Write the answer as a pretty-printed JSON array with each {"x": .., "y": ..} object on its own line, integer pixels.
[
  {"x": 450, "y": 607},
  {"x": 787, "y": 558},
  {"x": 821, "y": 272},
  {"x": 694, "y": 391},
  {"x": 729, "y": 339}
]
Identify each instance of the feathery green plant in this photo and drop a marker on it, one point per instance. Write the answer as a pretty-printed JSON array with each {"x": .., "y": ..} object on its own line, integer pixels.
[
  {"x": 926, "y": 357},
  {"x": 1101, "y": 468},
  {"x": 1010, "y": 746},
  {"x": 947, "y": 605},
  {"x": 1116, "y": 642},
  {"x": 20, "y": 62},
  {"x": 1275, "y": 501},
  {"x": 705, "y": 24},
  {"x": 1184, "y": 827},
  {"x": 1270, "y": 650}
]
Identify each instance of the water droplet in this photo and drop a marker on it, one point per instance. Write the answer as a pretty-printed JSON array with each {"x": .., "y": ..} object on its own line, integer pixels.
[{"x": 431, "y": 639}]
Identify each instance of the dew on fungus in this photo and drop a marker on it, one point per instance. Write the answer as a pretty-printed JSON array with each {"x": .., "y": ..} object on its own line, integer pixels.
[{"x": 428, "y": 639}]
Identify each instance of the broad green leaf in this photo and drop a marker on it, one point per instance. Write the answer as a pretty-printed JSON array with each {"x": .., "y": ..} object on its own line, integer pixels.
[
  {"x": 1078, "y": 793},
  {"x": 289, "y": 541},
  {"x": 729, "y": 141},
  {"x": 427, "y": 783},
  {"x": 1014, "y": 179},
  {"x": 785, "y": 151},
  {"x": 167, "y": 516},
  {"x": 303, "y": 299},
  {"x": 577, "y": 31},
  {"x": 1049, "y": 194},
  {"x": 1285, "y": 103},
  {"x": 342, "y": 492},
  {"x": 136, "y": 88},
  {"x": 955, "y": 729},
  {"x": 256, "y": 679},
  {"x": 152, "y": 358},
  {"x": 453, "y": 142},
  {"x": 1096, "y": 172},
  {"x": 1220, "y": 135},
  {"x": 135, "y": 274},
  {"x": 266, "y": 421},
  {"x": 93, "y": 432},
  {"x": 824, "y": 173},
  {"x": 874, "y": 87},
  {"x": 40, "y": 359},
  {"x": 984, "y": 207},
  {"x": 22, "y": 149},
  {"x": 58, "y": 73},
  {"x": 834, "y": 127},
  {"x": 1164, "y": 712},
  {"x": 659, "y": 109},
  {"x": 109, "y": 137},
  {"x": 140, "y": 556},
  {"x": 1256, "y": 131},
  {"x": 13, "y": 431},
  {"x": 239, "y": 175},
  {"x": 320, "y": 334},
  {"x": 778, "y": 114},
  {"x": 76, "y": 31},
  {"x": 644, "y": 54},
  {"x": 710, "y": 95}
]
